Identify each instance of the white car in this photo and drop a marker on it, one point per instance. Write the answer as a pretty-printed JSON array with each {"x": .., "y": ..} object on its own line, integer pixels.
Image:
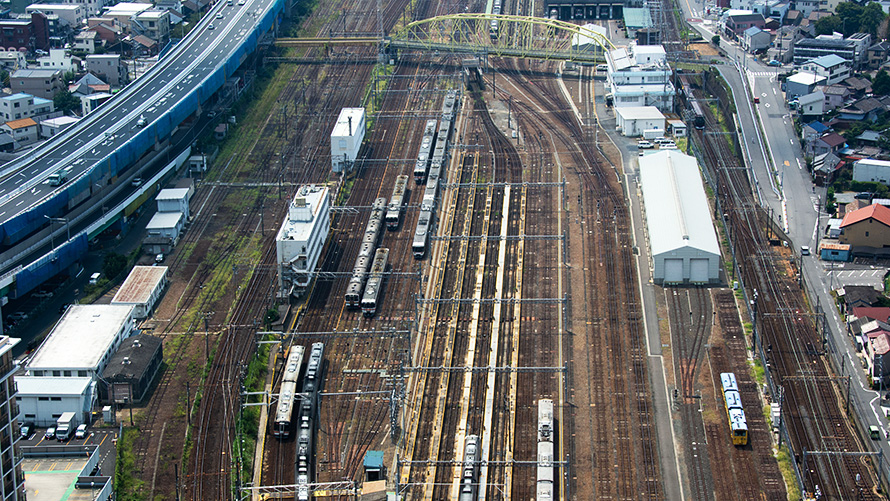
[
  {"x": 81, "y": 431},
  {"x": 645, "y": 145},
  {"x": 50, "y": 433}
]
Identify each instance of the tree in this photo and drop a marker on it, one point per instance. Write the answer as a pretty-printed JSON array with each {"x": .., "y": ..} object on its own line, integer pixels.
[
  {"x": 65, "y": 101},
  {"x": 114, "y": 264},
  {"x": 715, "y": 40},
  {"x": 828, "y": 25},
  {"x": 871, "y": 18},
  {"x": 851, "y": 16},
  {"x": 881, "y": 84}
]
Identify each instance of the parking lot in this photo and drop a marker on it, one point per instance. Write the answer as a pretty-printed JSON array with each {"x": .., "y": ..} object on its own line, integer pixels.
[{"x": 842, "y": 274}]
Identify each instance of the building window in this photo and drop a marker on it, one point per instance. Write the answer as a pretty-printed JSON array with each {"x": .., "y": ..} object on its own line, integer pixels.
[
  {"x": 81, "y": 373},
  {"x": 43, "y": 399},
  {"x": 67, "y": 373},
  {"x": 18, "y": 399},
  {"x": 866, "y": 233},
  {"x": 57, "y": 373},
  {"x": 56, "y": 399},
  {"x": 38, "y": 373}
]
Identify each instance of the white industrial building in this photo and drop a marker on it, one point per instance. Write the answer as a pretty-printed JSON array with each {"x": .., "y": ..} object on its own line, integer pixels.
[
  {"x": 301, "y": 239},
  {"x": 142, "y": 289},
  {"x": 633, "y": 120},
  {"x": 682, "y": 240},
  {"x": 346, "y": 138},
  {"x": 162, "y": 232},
  {"x": 42, "y": 400},
  {"x": 175, "y": 200},
  {"x": 82, "y": 341},
  {"x": 869, "y": 170},
  {"x": 639, "y": 75}
]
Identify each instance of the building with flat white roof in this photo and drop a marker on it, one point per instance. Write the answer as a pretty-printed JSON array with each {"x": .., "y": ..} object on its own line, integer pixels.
[
  {"x": 42, "y": 400},
  {"x": 633, "y": 120},
  {"x": 73, "y": 14},
  {"x": 302, "y": 236},
  {"x": 52, "y": 126},
  {"x": 869, "y": 170},
  {"x": 12, "y": 486},
  {"x": 639, "y": 75},
  {"x": 163, "y": 232},
  {"x": 346, "y": 138},
  {"x": 174, "y": 200},
  {"x": 142, "y": 289},
  {"x": 21, "y": 105},
  {"x": 82, "y": 341},
  {"x": 683, "y": 242}
]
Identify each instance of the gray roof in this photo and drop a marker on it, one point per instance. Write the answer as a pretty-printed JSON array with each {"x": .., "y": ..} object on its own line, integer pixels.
[
  {"x": 132, "y": 358},
  {"x": 828, "y": 61},
  {"x": 677, "y": 212}
]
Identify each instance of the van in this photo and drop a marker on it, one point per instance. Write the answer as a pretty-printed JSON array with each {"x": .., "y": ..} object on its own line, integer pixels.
[
  {"x": 874, "y": 432},
  {"x": 94, "y": 278},
  {"x": 602, "y": 67}
]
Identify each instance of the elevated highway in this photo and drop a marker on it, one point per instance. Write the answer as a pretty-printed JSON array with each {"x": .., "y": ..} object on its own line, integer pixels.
[{"x": 107, "y": 148}]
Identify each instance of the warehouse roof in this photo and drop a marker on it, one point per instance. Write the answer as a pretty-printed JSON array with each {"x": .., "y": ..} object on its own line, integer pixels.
[
  {"x": 29, "y": 385},
  {"x": 639, "y": 113},
  {"x": 173, "y": 194},
  {"x": 132, "y": 358},
  {"x": 82, "y": 337},
  {"x": 139, "y": 285},
  {"x": 677, "y": 210},
  {"x": 164, "y": 220}
]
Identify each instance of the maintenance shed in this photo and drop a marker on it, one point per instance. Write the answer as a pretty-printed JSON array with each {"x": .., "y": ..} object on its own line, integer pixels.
[
  {"x": 132, "y": 369},
  {"x": 142, "y": 289},
  {"x": 682, "y": 239},
  {"x": 633, "y": 120}
]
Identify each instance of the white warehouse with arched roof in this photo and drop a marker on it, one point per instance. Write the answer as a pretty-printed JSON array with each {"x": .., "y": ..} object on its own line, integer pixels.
[{"x": 682, "y": 240}]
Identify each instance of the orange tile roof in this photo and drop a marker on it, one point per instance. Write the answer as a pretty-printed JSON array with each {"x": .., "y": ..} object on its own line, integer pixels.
[
  {"x": 21, "y": 123},
  {"x": 875, "y": 211}
]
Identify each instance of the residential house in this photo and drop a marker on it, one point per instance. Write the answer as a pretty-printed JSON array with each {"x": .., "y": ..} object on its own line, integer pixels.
[
  {"x": 867, "y": 109},
  {"x": 856, "y": 296},
  {"x": 806, "y": 6},
  {"x": 801, "y": 84},
  {"x": 877, "y": 54},
  {"x": 835, "y": 96},
  {"x": 52, "y": 126},
  {"x": 877, "y": 358},
  {"x": 24, "y": 131},
  {"x": 812, "y": 130},
  {"x": 811, "y": 106},
  {"x": 867, "y": 231},
  {"x": 108, "y": 29},
  {"x": 869, "y": 137},
  {"x": 7, "y": 143},
  {"x": 755, "y": 39},
  {"x": 21, "y": 105},
  {"x": 738, "y": 23},
  {"x": 154, "y": 24},
  {"x": 829, "y": 143},
  {"x": 833, "y": 67},
  {"x": 108, "y": 67},
  {"x": 881, "y": 313},
  {"x": 825, "y": 167},
  {"x": 59, "y": 59},
  {"x": 88, "y": 84},
  {"x": 92, "y": 101},
  {"x": 39, "y": 83},
  {"x": 859, "y": 87},
  {"x": 142, "y": 46},
  {"x": 783, "y": 43},
  {"x": 28, "y": 34},
  {"x": 87, "y": 41}
]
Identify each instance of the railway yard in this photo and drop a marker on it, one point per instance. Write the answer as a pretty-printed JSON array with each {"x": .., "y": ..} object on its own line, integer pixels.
[{"x": 531, "y": 285}]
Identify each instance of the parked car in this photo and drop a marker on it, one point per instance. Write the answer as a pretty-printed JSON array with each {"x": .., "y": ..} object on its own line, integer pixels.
[
  {"x": 17, "y": 316},
  {"x": 81, "y": 431},
  {"x": 645, "y": 145},
  {"x": 50, "y": 433},
  {"x": 42, "y": 293},
  {"x": 27, "y": 429},
  {"x": 159, "y": 258}
]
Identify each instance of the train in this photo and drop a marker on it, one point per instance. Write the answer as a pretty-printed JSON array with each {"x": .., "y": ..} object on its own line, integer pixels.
[
  {"x": 308, "y": 421},
  {"x": 288, "y": 393},
  {"x": 422, "y": 166},
  {"x": 372, "y": 295},
  {"x": 698, "y": 118},
  {"x": 732, "y": 400},
  {"x": 396, "y": 203},
  {"x": 470, "y": 480},
  {"x": 370, "y": 240},
  {"x": 435, "y": 175},
  {"x": 493, "y": 28},
  {"x": 546, "y": 432}
]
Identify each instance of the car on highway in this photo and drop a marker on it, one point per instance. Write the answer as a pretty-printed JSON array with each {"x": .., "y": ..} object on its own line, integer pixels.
[
  {"x": 774, "y": 63},
  {"x": 219, "y": 16},
  {"x": 137, "y": 182},
  {"x": 17, "y": 316},
  {"x": 50, "y": 433},
  {"x": 804, "y": 250},
  {"x": 241, "y": 2},
  {"x": 210, "y": 27}
]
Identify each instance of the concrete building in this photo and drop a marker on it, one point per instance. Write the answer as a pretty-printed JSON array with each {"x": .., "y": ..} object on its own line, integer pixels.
[
  {"x": 91, "y": 7},
  {"x": 11, "y": 60},
  {"x": 683, "y": 242},
  {"x": 42, "y": 400},
  {"x": 38, "y": 83},
  {"x": 73, "y": 14},
  {"x": 633, "y": 120},
  {"x": 132, "y": 369},
  {"x": 27, "y": 34},
  {"x": 21, "y": 105},
  {"x": 92, "y": 101},
  {"x": 124, "y": 13},
  {"x": 82, "y": 341},
  {"x": 853, "y": 49},
  {"x": 735, "y": 25},
  {"x": 301, "y": 238},
  {"x": 346, "y": 138},
  {"x": 869, "y": 170},
  {"x": 108, "y": 67},
  {"x": 142, "y": 289},
  {"x": 11, "y": 476},
  {"x": 635, "y": 19},
  {"x": 154, "y": 24},
  {"x": 59, "y": 59},
  {"x": 23, "y": 132},
  {"x": 87, "y": 41},
  {"x": 867, "y": 230},
  {"x": 834, "y": 68},
  {"x": 639, "y": 75},
  {"x": 52, "y": 126}
]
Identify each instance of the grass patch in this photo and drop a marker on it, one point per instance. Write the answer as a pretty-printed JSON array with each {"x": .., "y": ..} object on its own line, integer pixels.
[
  {"x": 784, "y": 460},
  {"x": 759, "y": 375},
  {"x": 126, "y": 485},
  {"x": 249, "y": 419}
]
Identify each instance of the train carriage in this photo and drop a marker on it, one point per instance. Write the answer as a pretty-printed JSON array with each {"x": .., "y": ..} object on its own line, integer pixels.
[
  {"x": 422, "y": 233},
  {"x": 470, "y": 478},
  {"x": 545, "y": 420},
  {"x": 739, "y": 426},
  {"x": 728, "y": 382},
  {"x": 735, "y": 413},
  {"x": 427, "y": 143},
  {"x": 396, "y": 203},
  {"x": 372, "y": 296},
  {"x": 287, "y": 395}
]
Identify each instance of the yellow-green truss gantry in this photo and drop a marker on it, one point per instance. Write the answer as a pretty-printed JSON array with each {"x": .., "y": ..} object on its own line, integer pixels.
[{"x": 503, "y": 35}]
